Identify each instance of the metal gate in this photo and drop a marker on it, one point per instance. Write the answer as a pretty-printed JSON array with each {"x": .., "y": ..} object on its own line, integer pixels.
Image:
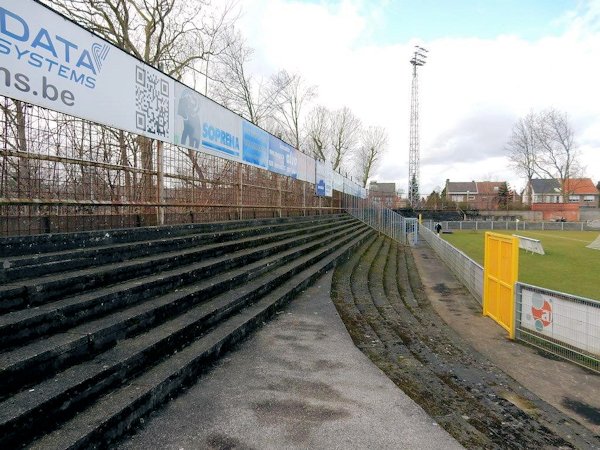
[{"x": 500, "y": 273}]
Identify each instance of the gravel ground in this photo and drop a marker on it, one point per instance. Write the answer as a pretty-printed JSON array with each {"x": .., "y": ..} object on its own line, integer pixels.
[{"x": 380, "y": 297}]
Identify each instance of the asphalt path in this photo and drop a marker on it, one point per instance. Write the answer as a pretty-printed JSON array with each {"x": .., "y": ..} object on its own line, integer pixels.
[{"x": 299, "y": 382}]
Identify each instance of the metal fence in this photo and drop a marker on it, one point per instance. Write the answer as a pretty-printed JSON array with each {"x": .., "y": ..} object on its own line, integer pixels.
[
  {"x": 492, "y": 225},
  {"x": 466, "y": 270},
  {"x": 59, "y": 173},
  {"x": 564, "y": 325},
  {"x": 384, "y": 220}
]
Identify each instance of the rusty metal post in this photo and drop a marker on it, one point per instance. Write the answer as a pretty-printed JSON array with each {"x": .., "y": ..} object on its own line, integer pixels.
[
  {"x": 241, "y": 188},
  {"x": 160, "y": 184},
  {"x": 279, "y": 188}
]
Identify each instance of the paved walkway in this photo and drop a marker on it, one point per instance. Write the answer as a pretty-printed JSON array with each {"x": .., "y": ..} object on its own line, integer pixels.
[
  {"x": 298, "y": 383},
  {"x": 566, "y": 386}
]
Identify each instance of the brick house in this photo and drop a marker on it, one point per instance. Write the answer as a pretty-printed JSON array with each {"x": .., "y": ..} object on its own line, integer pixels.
[
  {"x": 579, "y": 191},
  {"x": 481, "y": 195},
  {"x": 384, "y": 194}
]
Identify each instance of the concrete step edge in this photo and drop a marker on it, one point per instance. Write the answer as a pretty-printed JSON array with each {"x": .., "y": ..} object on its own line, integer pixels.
[{"x": 114, "y": 414}]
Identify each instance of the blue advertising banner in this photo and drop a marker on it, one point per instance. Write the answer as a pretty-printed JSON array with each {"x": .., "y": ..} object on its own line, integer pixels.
[
  {"x": 255, "y": 148},
  {"x": 282, "y": 158}
]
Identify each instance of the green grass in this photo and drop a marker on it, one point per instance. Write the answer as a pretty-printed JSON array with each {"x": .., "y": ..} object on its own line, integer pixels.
[{"x": 568, "y": 266}]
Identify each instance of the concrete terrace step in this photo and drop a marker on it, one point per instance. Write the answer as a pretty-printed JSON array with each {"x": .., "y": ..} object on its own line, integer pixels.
[
  {"x": 45, "y": 243},
  {"x": 19, "y": 326},
  {"x": 24, "y": 364},
  {"x": 142, "y": 371},
  {"x": 26, "y": 266},
  {"x": 40, "y": 290}
]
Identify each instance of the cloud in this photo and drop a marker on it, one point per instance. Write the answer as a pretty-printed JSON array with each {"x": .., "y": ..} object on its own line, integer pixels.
[
  {"x": 479, "y": 135},
  {"x": 471, "y": 90}
]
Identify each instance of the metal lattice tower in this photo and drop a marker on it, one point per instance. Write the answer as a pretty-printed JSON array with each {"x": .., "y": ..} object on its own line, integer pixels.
[{"x": 414, "y": 157}]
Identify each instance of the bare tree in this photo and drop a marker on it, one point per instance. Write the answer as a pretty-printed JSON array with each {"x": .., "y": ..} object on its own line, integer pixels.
[
  {"x": 373, "y": 144},
  {"x": 236, "y": 88},
  {"x": 170, "y": 34},
  {"x": 317, "y": 131},
  {"x": 173, "y": 35},
  {"x": 522, "y": 148},
  {"x": 345, "y": 130},
  {"x": 294, "y": 93},
  {"x": 543, "y": 144},
  {"x": 557, "y": 152}
]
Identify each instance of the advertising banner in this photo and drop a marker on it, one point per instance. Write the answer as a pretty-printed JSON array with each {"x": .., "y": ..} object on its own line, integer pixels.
[
  {"x": 323, "y": 179},
  {"x": 282, "y": 158},
  {"x": 338, "y": 181},
  {"x": 47, "y": 60},
  {"x": 255, "y": 147},
  {"x": 306, "y": 168},
  {"x": 221, "y": 130},
  {"x": 573, "y": 323},
  {"x": 188, "y": 125}
]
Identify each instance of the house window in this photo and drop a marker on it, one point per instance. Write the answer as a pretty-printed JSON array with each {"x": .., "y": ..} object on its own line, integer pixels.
[
  {"x": 457, "y": 198},
  {"x": 589, "y": 198},
  {"x": 574, "y": 198}
]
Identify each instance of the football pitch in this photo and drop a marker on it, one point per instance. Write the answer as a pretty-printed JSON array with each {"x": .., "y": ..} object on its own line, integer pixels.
[{"x": 568, "y": 266}]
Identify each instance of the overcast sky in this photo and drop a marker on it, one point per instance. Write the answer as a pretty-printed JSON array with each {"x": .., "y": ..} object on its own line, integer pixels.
[{"x": 490, "y": 62}]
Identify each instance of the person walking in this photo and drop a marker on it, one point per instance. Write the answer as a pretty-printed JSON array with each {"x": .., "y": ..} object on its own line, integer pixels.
[{"x": 438, "y": 228}]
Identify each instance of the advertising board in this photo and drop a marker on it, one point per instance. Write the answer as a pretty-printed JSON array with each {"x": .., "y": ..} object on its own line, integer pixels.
[
  {"x": 571, "y": 322},
  {"x": 49, "y": 61},
  {"x": 323, "y": 179}
]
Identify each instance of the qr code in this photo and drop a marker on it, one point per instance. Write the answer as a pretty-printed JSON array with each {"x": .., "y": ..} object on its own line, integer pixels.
[{"x": 151, "y": 102}]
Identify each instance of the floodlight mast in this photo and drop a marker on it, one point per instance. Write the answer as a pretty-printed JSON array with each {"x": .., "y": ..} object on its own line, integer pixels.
[{"x": 419, "y": 59}]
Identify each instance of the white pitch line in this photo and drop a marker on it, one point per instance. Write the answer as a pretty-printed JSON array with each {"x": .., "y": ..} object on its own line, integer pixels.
[{"x": 557, "y": 237}]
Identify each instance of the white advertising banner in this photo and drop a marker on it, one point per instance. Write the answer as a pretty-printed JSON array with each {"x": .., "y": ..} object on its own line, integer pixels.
[
  {"x": 573, "y": 323},
  {"x": 306, "y": 168},
  {"x": 49, "y": 61},
  {"x": 202, "y": 124},
  {"x": 323, "y": 179},
  {"x": 221, "y": 131},
  {"x": 338, "y": 181}
]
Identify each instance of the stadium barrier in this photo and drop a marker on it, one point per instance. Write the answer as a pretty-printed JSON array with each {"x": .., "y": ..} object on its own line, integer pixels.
[
  {"x": 565, "y": 325},
  {"x": 562, "y": 324},
  {"x": 492, "y": 225},
  {"x": 530, "y": 245},
  {"x": 466, "y": 270},
  {"x": 401, "y": 229}
]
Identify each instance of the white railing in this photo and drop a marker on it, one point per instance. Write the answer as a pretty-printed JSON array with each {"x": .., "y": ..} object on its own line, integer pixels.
[
  {"x": 401, "y": 229},
  {"x": 492, "y": 225}
]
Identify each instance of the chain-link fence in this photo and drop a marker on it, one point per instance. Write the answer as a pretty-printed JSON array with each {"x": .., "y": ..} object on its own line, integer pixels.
[
  {"x": 564, "y": 325},
  {"x": 59, "y": 173},
  {"x": 466, "y": 270}
]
